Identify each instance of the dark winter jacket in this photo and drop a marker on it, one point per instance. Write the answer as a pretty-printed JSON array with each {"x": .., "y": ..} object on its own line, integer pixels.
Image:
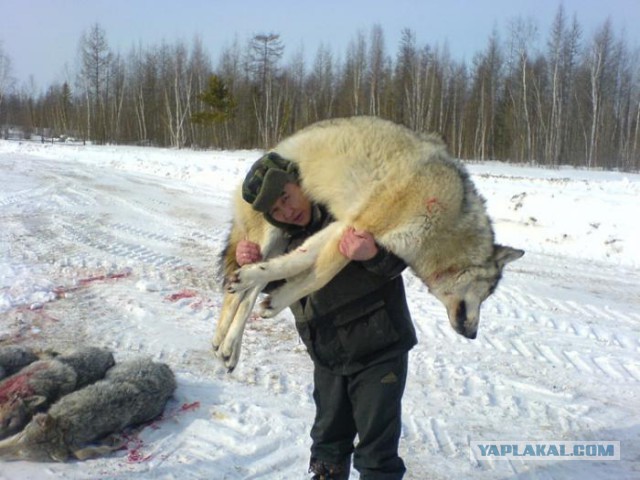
[{"x": 361, "y": 316}]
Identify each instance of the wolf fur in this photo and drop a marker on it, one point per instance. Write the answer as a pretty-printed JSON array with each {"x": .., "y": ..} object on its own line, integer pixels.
[
  {"x": 32, "y": 389},
  {"x": 132, "y": 392},
  {"x": 89, "y": 363},
  {"x": 39, "y": 384},
  {"x": 400, "y": 186},
  {"x": 15, "y": 357}
]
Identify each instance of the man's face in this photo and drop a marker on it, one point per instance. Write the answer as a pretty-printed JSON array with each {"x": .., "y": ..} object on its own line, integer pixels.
[{"x": 292, "y": 206}]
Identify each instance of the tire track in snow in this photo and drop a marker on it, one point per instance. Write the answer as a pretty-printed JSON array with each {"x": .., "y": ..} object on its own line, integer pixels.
[
  {"x": 109, "y": 244},
  {"x": 556, "y": 318},
  {"x": 570, "y": 349}
]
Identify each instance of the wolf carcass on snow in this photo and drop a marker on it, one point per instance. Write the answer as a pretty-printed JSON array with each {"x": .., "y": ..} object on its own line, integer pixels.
[
  {"x": 15, "y": 357},
  {"x": 132, "y": 392},
  {"x": 36, "y": 386}
]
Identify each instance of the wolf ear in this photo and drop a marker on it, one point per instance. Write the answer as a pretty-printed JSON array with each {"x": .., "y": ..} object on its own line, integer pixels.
[
  {"x": 503, "y": 255},
  {"x": 43, "y": 420},
  {"x": 34, "y": 402}
]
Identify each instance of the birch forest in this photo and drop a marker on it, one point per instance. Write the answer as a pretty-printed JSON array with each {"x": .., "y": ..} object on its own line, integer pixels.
[{"x": 562, "y": 98}]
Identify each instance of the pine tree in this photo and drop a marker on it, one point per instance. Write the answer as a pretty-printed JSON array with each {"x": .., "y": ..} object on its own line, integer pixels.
[{"x": 220, "y": 101}]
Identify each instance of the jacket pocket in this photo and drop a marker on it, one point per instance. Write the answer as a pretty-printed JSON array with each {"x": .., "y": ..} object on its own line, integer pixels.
[{"x": 365, "y": 331}]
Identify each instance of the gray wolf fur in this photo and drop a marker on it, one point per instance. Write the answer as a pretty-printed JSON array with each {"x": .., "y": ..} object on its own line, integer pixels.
[
  {"x": 41, "y": 383},
  {"x": 402, "y": 187},
  {"x": 132, "y": 392},
  {"x": 15, "y": 357},
  {"x": 90, "y": 364}
]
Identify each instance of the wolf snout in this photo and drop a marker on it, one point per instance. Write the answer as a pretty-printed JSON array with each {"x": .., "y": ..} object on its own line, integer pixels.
[
  {"x": 465, "y": 326},
  {"x": 471, "y": 335}
]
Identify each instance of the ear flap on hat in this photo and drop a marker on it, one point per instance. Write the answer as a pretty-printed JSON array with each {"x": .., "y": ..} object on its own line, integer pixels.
[{"x": 271, "y": 189}]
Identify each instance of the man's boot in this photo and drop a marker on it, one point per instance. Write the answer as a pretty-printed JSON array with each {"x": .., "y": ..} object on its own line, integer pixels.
[{"x": 328, "y": 471}]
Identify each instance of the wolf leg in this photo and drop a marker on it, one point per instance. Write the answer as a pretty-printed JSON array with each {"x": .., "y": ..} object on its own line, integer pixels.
[
  {"x": 329, "y": 262},
  {"x": 95, "y": 451},
  {"x": 237, "y": 308},
  {"x": 230, "y": 348},
  {"x": 230, "y": 304},
  {"x": 285, "y": 266}
]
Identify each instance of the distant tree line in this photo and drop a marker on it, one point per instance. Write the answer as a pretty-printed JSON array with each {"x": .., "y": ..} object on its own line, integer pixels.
[{"x": 575, "y": 100}]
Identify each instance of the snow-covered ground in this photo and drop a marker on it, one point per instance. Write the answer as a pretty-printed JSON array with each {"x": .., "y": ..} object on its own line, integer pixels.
[{"x": 117, "y": 247}]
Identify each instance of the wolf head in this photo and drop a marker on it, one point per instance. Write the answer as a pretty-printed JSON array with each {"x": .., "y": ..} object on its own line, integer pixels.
[
  {"x": 462, "y": 291},
  {"x": 47, "y": 438},
  {"x": 15, "y": 412},
  {"x": 40, "y": 441}
]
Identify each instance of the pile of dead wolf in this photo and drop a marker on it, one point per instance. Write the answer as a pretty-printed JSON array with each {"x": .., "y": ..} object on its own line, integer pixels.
[{"x": 56, "y": 407}]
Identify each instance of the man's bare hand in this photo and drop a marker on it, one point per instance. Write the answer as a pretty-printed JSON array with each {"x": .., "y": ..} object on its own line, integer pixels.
[
  {"x": 357, "y": 245},
  {"x": 247, "y": 252}
]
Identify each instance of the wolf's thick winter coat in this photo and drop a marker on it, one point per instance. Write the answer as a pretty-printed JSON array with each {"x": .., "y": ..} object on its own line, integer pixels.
[
  {"x": 133, "y": 392},
  {"x": 13, "y": 358},
  {"x": 32, "y": 389},
  {"x": 400, "y": 186},
  {"x": 89, "y": 363},
  {"x": 41, "y": 383}
]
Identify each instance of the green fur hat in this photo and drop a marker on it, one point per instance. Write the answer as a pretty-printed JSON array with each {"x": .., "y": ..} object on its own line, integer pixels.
[{"x": 266, "y": 179}]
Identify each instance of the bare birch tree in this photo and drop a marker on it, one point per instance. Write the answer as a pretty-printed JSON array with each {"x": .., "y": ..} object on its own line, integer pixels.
[
  {"x": 320, "y": 85},
  {"x": 486, "y": 84},
  {"x": 95, "y": 59},
  {"x": 410, "y": 81},
  {"x": 6, "y": 80},
  {"x": 598, "y": 62},
  {"x": 376, "y": 66},
  {"x": 354, "y": 74},
  {"x": 265, "y": 52}
]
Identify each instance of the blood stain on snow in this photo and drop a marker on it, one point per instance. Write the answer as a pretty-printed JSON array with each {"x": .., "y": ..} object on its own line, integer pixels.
[
  {"x": 60, "y": 292},
  {"x": 135, "y": 456},
  {"x": 134, "y": 446},
  {"x": 101, "y": 278},
  {"x": 180, "y": 295},
  {"x": 190, "y": 407}
]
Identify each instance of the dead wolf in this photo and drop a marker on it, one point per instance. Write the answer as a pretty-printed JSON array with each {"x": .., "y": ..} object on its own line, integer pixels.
[
  {"x": 38, "y": 385},
  {"x": 133, "y": 392},
  {"x": 380, "y": 177},
  {"x": 15, "y": 357}
]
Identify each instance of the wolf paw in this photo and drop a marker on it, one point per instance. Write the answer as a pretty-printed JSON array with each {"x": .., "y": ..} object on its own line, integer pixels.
[
  {"x": 229, "y": 352},
  {"x": 244, "y": 278},
  {"x": 268, "y": 308}
]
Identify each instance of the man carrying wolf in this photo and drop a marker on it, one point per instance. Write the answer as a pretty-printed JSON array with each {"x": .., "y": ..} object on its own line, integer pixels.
[{"x": 357, "y": 330}]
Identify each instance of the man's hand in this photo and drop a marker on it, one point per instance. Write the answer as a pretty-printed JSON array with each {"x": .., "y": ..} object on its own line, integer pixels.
[
  {"x": 247, "y": 252},
  {"x": 357, "y": 245}
]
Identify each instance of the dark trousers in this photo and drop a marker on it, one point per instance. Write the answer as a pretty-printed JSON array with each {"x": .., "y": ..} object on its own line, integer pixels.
[{"x": 368, "y": 404}]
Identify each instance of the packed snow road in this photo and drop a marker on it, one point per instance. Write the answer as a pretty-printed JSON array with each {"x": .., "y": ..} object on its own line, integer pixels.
[{"x": 117, "y": 247}]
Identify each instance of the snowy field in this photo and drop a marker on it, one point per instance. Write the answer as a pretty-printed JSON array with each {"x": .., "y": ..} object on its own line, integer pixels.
[{"x": 117, "y": 247}]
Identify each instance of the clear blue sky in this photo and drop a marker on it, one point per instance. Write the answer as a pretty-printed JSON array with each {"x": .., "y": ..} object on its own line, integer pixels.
[{"x": 41, "y": 36}]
